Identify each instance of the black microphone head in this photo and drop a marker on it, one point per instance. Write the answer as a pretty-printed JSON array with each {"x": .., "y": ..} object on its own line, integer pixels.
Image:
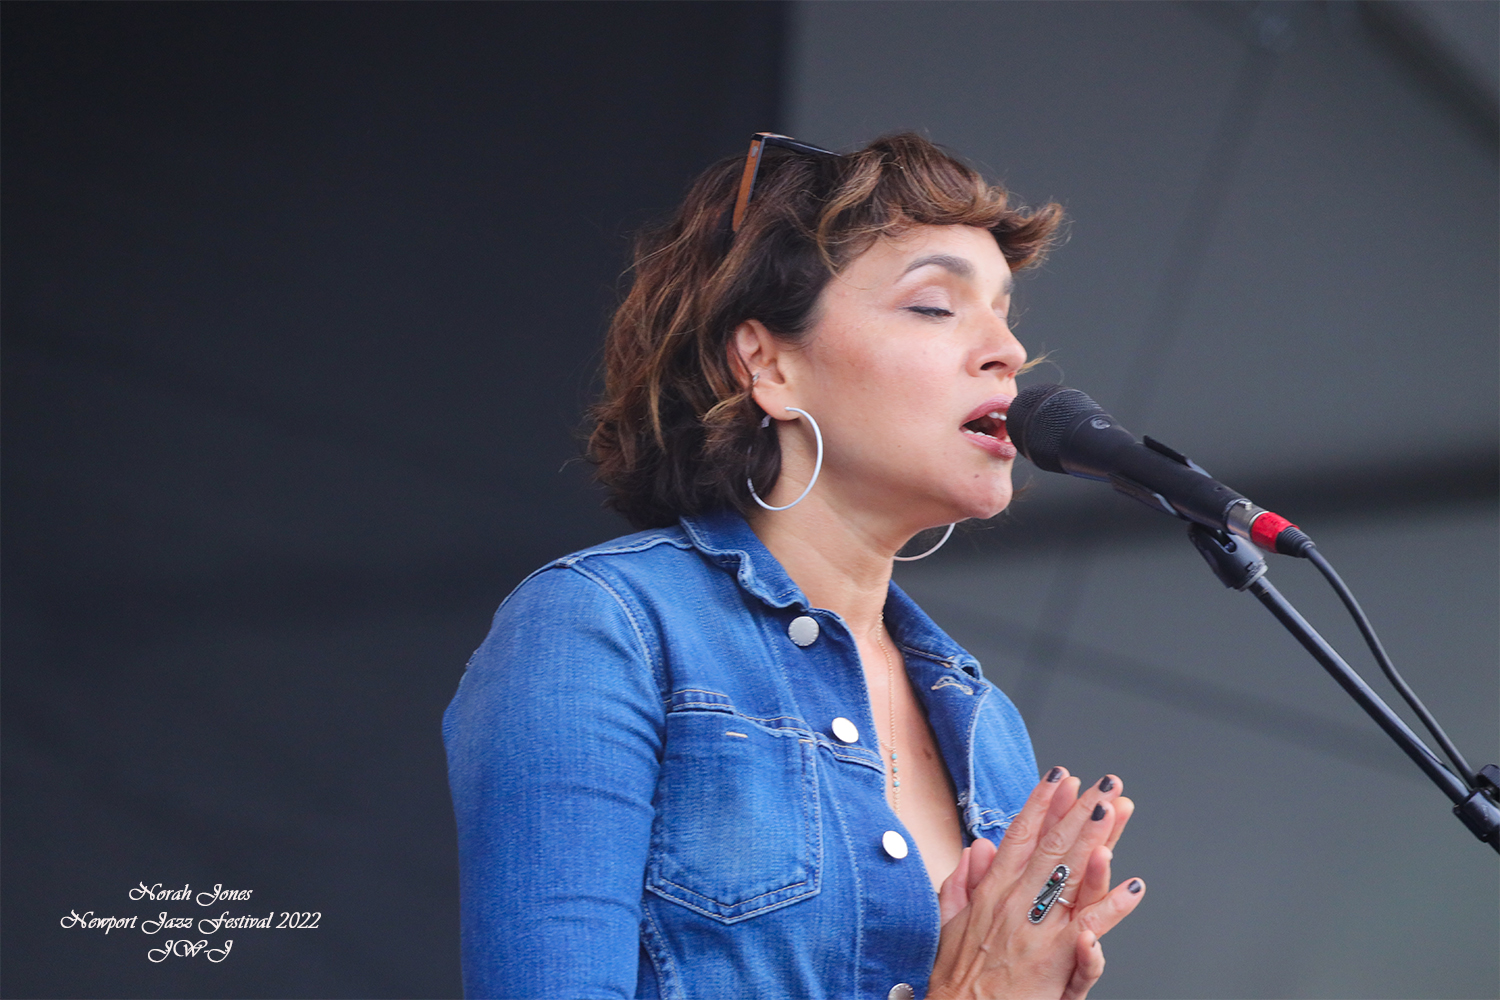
[{"x": 1039, "y": 419}]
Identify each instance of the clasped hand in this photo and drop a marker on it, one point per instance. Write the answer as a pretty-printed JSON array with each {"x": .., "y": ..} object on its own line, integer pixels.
[{"x": 989, "y": 948}]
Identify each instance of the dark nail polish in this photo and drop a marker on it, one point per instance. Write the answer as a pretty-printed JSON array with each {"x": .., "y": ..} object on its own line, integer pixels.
[
  {"x": 1106, "y": 783},
  {"x": 1135, "y": 885},
  {"x": 1055, "y": 775},
  {"x": 1098, "y": 812}
]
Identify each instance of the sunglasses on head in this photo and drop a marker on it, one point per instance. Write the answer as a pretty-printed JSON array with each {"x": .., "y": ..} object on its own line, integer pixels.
[{"x": 758, "y": 143}]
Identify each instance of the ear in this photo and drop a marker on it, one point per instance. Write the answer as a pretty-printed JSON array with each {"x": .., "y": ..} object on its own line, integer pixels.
[{"x": 758, "y": 354}]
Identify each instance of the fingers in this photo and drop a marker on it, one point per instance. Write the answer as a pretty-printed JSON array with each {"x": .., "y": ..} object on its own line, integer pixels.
[
  {"x": 1124, "y": 809},
  {"x": 954, "y": 895},
  {"x": 1094, "y": 885},
  {"x": 1088, "y": 966},
  {"x": 973, "y": 865},
  {"x": 986, "y": 902},
  {"x": 1062, "y": 801},
  {"x": 1102, "y": 916},
  {"x": 982, "y": 855},
  {"x": 1086, "y": 825},
  {"x": 1021, "y": 836}
]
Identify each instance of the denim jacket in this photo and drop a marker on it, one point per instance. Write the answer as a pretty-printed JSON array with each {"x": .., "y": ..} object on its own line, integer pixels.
[{"x": 653, "y": 799}]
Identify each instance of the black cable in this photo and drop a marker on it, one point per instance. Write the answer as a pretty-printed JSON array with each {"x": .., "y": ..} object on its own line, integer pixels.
[{"x": 1310, "y": 551}]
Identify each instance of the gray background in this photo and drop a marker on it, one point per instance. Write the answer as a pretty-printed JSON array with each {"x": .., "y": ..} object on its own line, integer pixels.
[{"x": 1282, "y": 262}]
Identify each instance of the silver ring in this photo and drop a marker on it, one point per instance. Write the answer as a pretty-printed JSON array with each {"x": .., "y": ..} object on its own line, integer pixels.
[{"x": 1050, "y": 894}]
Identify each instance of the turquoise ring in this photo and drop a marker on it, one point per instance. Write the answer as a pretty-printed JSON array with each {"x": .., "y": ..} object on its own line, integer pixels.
[{"x": 1049, "y": 894}]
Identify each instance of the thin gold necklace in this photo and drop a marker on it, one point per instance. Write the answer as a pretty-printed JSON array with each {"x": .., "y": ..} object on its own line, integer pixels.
[{"x": 890, "y": 698}]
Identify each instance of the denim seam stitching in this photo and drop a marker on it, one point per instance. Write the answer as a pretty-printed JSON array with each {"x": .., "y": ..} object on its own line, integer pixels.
[
  {"x": 978, "y": 709},
  {"x": 657, "y": 669},
  {"x": 840, "y": 753},
  {"x": 641, "y": 545},
  {"x": 813, "y": 830},
  {"x": 952, "y": 662},
  {"x": 529, "y": 576},
  {"x": 666, "y": 969},
  {"x": 859, "y": 911},
  {"x": 727, "y": 905},
  {"x": 769, "y": 722},
  {"x": 946, "y": 681},
  {"x": 1004, "y": 822}
]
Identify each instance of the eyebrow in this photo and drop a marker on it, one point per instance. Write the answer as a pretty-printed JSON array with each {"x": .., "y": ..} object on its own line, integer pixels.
[{"x": 959, "y": 266}]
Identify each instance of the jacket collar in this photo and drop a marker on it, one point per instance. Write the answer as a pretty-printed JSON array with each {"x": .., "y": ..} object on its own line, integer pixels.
[
  {"x": 727, "y": 540},
  {"x": 916, "y": 633}
]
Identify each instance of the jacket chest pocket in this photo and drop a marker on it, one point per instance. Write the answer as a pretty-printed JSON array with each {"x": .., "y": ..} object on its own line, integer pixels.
[{"x": 737, "y": 828}]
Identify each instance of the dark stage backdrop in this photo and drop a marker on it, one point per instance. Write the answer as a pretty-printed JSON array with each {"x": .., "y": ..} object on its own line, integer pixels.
[{"x": 302, "y": 306}]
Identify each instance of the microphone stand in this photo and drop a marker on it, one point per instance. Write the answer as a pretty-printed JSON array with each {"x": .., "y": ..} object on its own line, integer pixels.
[{"x": 1239, "y": 566}]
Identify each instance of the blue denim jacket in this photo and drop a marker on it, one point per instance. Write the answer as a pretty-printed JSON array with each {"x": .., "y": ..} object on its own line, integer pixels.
[{"x": 651, "y": 801}]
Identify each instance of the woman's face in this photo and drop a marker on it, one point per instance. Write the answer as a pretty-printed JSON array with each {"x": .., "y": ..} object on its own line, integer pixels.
[{"x": 908, "y": 364}]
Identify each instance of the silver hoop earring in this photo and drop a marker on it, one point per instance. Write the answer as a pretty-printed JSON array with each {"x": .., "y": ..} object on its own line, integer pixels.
[
  {"x": 941, "y": 542},
  {"x": 817, "y": 466}
]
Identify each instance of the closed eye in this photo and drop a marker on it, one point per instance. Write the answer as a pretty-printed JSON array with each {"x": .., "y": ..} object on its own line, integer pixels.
[{"x": 933, "y": 311}]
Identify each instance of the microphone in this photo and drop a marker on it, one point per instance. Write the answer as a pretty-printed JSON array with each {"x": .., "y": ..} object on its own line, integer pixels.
[{"x": 1062, "y": 430}]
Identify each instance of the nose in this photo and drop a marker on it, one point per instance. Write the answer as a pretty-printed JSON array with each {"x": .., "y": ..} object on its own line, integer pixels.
[{"x": 999, "y": 351}]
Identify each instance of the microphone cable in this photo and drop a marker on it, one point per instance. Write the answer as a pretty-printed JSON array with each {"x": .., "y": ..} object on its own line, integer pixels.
[{"x": 1309, "y": 551}]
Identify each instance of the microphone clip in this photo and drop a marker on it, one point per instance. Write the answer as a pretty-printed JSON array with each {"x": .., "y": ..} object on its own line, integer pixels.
[{"x": 1234, "y": 561}]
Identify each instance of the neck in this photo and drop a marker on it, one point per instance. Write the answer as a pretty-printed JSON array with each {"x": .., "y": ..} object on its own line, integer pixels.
[{"x": 839, "y": 563}]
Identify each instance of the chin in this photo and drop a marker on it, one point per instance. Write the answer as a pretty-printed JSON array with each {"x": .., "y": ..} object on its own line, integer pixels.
[{"x": 991, "y": 502}]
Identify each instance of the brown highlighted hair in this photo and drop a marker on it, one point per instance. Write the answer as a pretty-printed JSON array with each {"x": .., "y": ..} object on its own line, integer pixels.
[{"x": 677, "y": 431}]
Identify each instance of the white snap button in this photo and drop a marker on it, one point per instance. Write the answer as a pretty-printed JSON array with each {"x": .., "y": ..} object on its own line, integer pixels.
[
  {"x": 803, "y": 631},
  {"x": 894, "y": 844},
  {"x": 845, "y": 731},
  {"x": 901, "y": 991}
]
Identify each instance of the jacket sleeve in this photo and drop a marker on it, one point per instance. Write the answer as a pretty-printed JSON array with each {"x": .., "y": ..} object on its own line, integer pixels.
[{"x": 554, "y": 742}]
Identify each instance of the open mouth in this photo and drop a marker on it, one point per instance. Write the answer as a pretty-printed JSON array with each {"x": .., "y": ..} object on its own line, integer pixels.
[{"x": 991, "y": 424}]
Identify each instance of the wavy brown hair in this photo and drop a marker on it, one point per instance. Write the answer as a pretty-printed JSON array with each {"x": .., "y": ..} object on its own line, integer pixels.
[{"x": 675, "y": 431}]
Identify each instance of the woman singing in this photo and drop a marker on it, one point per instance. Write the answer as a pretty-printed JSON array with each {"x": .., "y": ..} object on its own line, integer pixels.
[{"x": 727, "y": 757}]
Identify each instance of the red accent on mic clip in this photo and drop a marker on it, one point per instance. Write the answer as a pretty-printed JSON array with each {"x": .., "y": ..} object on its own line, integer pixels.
[{"x": 1267, "y": 528}]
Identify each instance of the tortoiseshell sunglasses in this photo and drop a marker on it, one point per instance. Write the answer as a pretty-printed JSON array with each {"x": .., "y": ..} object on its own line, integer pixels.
[{"x": 758, "y": 142}]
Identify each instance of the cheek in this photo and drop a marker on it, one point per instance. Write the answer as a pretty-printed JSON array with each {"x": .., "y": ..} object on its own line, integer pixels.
[
  {"x": 914, "y": 379},
  {"x": 893, "y": 407},
  {"x": 878, "y": 386}
]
